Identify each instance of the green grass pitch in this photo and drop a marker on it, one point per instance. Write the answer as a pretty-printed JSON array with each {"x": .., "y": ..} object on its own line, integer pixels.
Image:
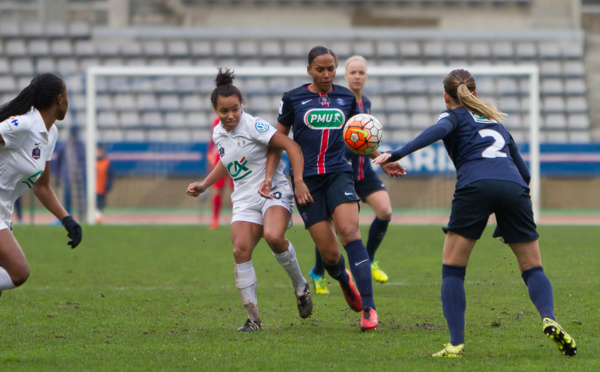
[{"x": 145, "y": 298}]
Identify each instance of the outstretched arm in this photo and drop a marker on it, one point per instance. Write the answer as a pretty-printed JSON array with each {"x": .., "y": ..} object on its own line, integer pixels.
[
  {"x": 197, "y": 188},
  {"x": 430, "y": 135}
]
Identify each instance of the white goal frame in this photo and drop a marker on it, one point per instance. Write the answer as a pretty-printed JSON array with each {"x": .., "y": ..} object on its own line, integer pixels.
[{"x": 529, "y": 71}]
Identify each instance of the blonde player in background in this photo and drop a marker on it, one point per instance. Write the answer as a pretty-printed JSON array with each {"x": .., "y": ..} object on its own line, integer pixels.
[
  {"x": 27, "y": 139},
  {"x": 242, "y": 142}
]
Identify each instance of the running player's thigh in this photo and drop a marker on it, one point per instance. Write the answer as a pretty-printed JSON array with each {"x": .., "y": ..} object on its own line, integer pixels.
[
  {"x": 276, "y": 221},
  {"x": 528, "y": 254},
  {"x": 12, "y": 257},
  {"x": 345, "y": 219},
  {"x": 380, "y": 202},
  {"x": 244, "y": 236},
  {"x": 457, "y": 249},
  {"x": 324, "y": 237}
]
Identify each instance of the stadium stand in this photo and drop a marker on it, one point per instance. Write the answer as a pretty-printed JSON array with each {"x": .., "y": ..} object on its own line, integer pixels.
[{"x": 131, "y": 104}]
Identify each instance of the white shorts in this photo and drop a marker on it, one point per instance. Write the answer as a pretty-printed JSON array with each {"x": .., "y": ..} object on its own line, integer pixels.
[
  {"x": 255, "y": 212},
  {"x": 5, "y": 225}
]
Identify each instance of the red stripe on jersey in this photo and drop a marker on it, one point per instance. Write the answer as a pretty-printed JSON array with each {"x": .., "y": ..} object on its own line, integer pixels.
[
  {"x": 321, "y": 157},
  {"x": 361, "y": 163}
]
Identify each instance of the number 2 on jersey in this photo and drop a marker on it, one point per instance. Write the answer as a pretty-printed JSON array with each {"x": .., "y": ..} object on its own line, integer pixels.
[{"x": 493, "y": 151}]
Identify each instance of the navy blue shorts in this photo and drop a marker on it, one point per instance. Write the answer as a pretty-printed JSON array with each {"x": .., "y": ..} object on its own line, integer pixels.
[
  {"x": 510, "y": 202},
  {"x": 328, "y": 191},
  {"x": 368, "y": 185}
]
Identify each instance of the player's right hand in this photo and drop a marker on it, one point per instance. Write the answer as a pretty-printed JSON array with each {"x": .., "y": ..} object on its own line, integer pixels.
[
  {"x": 265, "y": 189},
  {"x": 302, "y": 194},
  {"x": 195, "y": 189}
]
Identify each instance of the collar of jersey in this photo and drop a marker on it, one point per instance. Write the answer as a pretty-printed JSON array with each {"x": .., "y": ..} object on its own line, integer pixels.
[{"x": 39, "y": 121}]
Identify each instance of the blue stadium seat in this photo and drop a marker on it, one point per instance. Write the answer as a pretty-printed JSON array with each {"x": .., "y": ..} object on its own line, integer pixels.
[
  {"x": 38, "y": 48},
  {"x": 147, "y": 102},
  {"x": 7, "y": 84},
  {"x": 45, "y": 64},
  {"x": 22, "y": 66},
  {"x": 178, "y": 48},
  {"x": 4, "y": 66},
  {"x": 15, "y": 48}
]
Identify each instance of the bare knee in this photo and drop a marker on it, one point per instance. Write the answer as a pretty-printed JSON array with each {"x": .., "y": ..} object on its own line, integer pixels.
[
  {"x": 348, "y": 234},
  {"x": 19, "y": 275},
  {"x": 242, "y": 253},
  {"x": 276, "y": 242},
  {"x": 384, "y": 214}
]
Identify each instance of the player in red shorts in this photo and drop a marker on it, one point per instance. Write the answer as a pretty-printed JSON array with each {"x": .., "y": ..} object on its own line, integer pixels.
[{"x": 219, "y": 186}]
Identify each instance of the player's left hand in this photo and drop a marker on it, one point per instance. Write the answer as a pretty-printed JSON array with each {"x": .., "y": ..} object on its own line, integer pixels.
[
  {"x": 302, "y": 194},
  {"x": 73, "y": 231},
  {"x": 393, "y": 169},
  {"x": 265, "y": 189},
  {"x": 382, "y": 159}
]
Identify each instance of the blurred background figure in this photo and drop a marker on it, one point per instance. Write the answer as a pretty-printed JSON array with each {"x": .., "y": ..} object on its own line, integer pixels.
[
  {"x": 219, "y": 187},
  {"x": 19, "y": 211},
  {"x": 104, "y": 180},
  {"x": 70, "y": 172}
]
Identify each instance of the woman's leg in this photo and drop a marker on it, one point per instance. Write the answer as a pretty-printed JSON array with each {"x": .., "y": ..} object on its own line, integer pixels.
[
  {"x": 245, "y": 236},
  {"x": 380, "y": 202},
  {"x": 345, "y": 218},
  {"x": 276, "y": 220},
  {"x": 540, "y": 290},
  {"x": 457, "y": 250},
  {"x": 14, "y": 269}
]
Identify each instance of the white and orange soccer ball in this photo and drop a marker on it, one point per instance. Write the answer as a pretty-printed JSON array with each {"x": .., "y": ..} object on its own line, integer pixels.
[{"x": 363, "y": 133}]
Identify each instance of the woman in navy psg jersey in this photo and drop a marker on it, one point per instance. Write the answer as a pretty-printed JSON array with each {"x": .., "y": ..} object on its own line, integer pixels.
[
  {"x": 367, "y": 184},
  {"x": 491, "y": 178},
  {"x": 317, "y": 113}
]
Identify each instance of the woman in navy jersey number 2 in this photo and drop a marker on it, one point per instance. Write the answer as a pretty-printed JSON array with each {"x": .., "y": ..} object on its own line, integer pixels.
[
  {"x": 317, "y": 113},
  {"x": 491, "y": 178},
  {"x": 369, "y": 187}
]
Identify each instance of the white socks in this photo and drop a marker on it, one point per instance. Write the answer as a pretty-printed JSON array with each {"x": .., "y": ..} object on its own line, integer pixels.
[
  {"x": 288, "y": 261},
  {"x": 5, "y": 280},
  {"x": 245, "y": 281}
]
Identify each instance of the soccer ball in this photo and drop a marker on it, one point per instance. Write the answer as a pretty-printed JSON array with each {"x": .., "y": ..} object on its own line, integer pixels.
[{"x": 363, "y": 133}]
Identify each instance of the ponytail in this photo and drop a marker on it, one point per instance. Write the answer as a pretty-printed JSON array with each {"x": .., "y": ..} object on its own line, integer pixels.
[
  {"x": 460, "y": 85},
  {"x": 224, "y": 87},
  {"x": 41, "y": 93}
]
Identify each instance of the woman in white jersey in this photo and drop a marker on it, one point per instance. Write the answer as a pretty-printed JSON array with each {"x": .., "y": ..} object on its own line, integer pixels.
[
  {"x": 242, "y": 142},
  {"x": 27, "y": 139}
]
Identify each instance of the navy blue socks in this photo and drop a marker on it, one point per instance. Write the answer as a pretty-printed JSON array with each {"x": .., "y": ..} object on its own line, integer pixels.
[
  {"x": 360, "y": 265},
  {"x": 319, "y": 269},
  {"x": 338, "y": 272},
  {"x": 540, "y": 291},
  {"x": 376, "y": 234},
  {"x": 454, "y": 302}
]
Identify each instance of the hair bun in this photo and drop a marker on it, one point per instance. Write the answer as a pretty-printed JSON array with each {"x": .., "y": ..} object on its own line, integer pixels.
[{"x": 224, "y": 77}]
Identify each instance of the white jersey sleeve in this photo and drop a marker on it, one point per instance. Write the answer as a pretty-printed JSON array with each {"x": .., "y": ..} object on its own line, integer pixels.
[
  {"x": 52, "y": 143},
  {"x": 14, "y": 130},
  {"x": 262, "y": 131}
]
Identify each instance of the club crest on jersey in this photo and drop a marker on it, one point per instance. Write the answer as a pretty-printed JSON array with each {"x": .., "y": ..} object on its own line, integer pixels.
[
  {"x": 324, "y": 101},
  {"x": 261, "y": 127},
  {"x": 238, "y": 169},
  {"x": 241, "y": 142},
  {"x": 341, "y": 102},
  {"x": 36, "y": 153},
  {"x": 324, "y": 118}
]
